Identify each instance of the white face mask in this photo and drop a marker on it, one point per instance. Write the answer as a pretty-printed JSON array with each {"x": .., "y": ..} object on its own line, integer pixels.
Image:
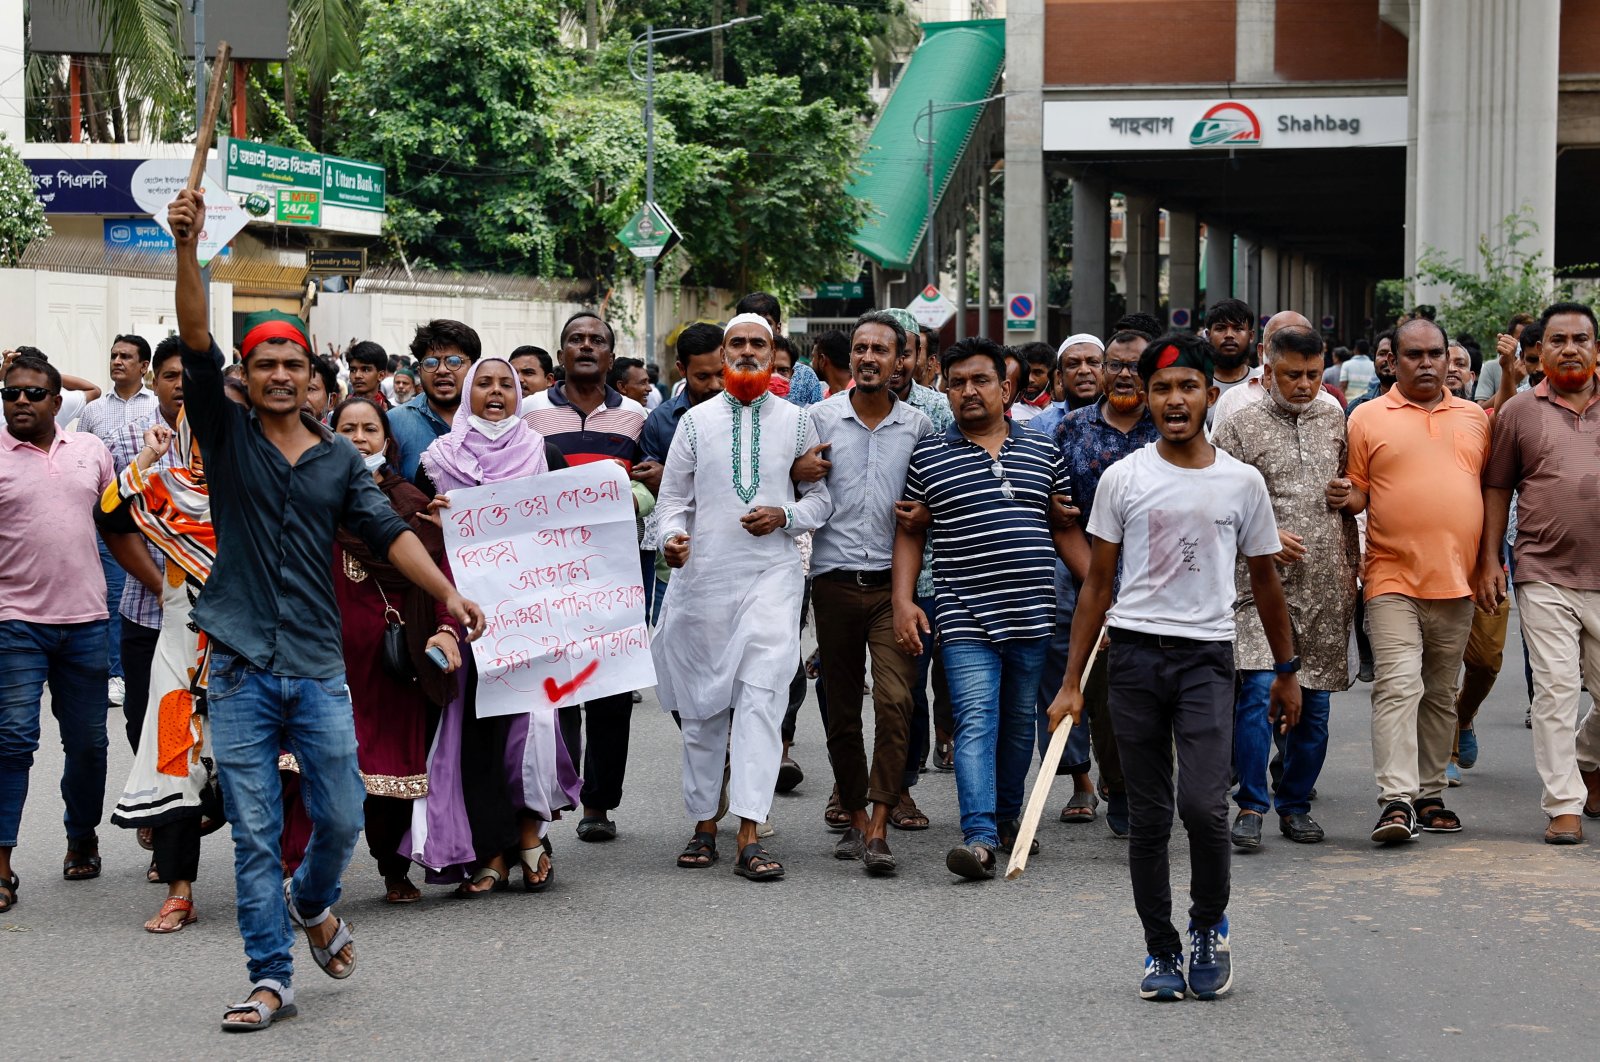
[
  {"x": 492, "y": 429},
  {"x": 374, "y": 461}
]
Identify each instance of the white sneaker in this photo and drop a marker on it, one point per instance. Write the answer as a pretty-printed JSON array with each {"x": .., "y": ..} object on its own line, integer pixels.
[
  {"x": 116, "y": 692},
  {"x": 766, "y": 829}
]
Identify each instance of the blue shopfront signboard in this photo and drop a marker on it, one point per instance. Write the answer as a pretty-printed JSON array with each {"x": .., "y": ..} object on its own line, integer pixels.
[
  {"x": 107, "y": 187},
  {"x": 85, "y": 186},
  {"x": 139, "y": 235}
]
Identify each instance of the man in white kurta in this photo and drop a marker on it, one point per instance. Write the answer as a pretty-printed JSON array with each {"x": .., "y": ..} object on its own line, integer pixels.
[{"x": 728, "y": 642}]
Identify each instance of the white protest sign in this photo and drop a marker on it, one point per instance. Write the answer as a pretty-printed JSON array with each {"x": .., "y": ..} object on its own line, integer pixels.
[
  {"x": 224, "y": 218},
  {"x": 553, "y": 560}
]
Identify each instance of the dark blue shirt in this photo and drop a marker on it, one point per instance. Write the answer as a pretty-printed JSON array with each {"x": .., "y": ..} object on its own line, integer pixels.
[
  {"x": 994, "y": 560},
  {"x": 1089, "y": 446},
  {"x": 415, "y": 425},
  {"x": 269, "y": 597},
  {"x": 661, "y": 426}
]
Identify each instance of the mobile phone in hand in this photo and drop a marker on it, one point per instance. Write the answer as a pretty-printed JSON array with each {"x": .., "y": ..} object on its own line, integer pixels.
[{"x": 440, "y": 661}]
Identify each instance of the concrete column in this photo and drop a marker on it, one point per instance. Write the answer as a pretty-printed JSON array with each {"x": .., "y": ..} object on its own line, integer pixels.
[
  {"x": 961, "y": 276},
  {"x": 13, "y": 84},
  {"x": 1183, "y": 263},
  {"x": 1091, "y": 254},
  {"x": 1266, "y": 300},
  {"x": 983, "y": 256},
  {"x": 1486, "y": 91},
  {"x": 1255, "y": 43},
  {"x": 1141, "y": 265},
  {"x": 1219, "y": 263},
  {"x": 1026, "y": 222},
  {"x": 1247, "y": 271},
  {"x": 1293, "y": 292}
]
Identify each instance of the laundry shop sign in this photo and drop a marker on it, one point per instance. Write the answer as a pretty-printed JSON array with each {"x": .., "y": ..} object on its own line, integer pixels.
[{"x": 1200, "y": 124}]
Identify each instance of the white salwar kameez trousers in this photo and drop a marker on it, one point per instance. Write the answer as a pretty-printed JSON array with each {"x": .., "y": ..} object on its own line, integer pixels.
[{"x": 728, "y": 642}]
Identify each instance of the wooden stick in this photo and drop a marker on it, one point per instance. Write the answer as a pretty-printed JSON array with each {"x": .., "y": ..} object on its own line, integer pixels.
[
  {"x": 1047, "y": 775},
  {"x": 208, "y": 124}
]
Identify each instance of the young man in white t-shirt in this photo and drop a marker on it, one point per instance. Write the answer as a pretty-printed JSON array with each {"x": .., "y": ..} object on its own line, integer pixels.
[{"x": 1175, "y": 515}]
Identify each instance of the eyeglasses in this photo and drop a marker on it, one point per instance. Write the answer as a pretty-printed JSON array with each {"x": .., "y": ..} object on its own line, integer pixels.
[
  {"x": 35, "y": 394},
  {"x": 1117, "y": 368},
  {"x": 999, "y": 471},
  {"x": 454, "y": 361}
]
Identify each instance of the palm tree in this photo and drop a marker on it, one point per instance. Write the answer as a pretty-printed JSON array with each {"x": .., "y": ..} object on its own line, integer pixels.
[{"x": 324, "y": 39}]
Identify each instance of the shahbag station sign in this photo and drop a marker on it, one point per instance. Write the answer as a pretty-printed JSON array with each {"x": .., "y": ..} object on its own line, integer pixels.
[{"x": 1211, "y": 125}]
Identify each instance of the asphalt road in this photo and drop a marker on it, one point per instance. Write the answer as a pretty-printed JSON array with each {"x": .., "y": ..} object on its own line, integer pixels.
[{"x": 1479, "y": 945}]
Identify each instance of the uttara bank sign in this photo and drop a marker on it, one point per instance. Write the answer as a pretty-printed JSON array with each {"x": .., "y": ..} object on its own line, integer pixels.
[{"x": 1193, "y": 124}]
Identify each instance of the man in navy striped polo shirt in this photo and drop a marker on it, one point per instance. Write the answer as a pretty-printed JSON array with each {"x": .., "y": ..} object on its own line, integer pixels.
[{"x": 999, "y": 498}]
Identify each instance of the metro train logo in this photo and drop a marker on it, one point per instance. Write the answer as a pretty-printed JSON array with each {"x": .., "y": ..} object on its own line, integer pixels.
[{"x": 1227, "y": 125}]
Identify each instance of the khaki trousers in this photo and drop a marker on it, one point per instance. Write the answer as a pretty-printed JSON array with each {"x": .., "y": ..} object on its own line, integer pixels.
[
  {"x": 1486, "y": 647},
  {"x": 1561, "y": 626},
  {"x": 1417, "y": 646}
]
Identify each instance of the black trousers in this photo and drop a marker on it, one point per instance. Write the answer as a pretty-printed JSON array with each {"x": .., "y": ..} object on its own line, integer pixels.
[
  {"x": 387, "y": 820},
  {"x": 606, "y": 723},
  {"x": 177, "y": 844},
  {"x": 138, "y": 650},
  {"x": 1160, "y": 697}
]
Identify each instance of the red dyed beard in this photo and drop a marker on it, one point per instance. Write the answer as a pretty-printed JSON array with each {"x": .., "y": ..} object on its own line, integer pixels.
[
  {"x": 746, "y": 387},
  {"x": 1569, "y": 380},
  {"x": 1125, "y": 403}
]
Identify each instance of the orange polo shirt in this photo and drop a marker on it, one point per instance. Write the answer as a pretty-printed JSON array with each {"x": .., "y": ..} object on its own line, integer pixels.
[{"x": 1422, "y": 471}]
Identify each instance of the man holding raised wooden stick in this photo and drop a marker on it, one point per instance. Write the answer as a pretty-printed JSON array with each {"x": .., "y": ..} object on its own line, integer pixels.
[{"x": 1185, "y": 510}]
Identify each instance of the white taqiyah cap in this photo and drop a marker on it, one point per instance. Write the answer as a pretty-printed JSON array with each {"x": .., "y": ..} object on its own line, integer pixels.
[
  {"x": 1081, "y": 337},
  {"x": 750, "y": 318}
]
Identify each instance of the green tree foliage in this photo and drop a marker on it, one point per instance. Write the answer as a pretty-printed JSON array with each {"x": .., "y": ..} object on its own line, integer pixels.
[
  {"x": 21, "y": 216},
  {"x": 827, "y": 46},
  {"x": 1508, "y": 280},
  {"x": 452, "y": 96},
  {"x": 769, "y": 208},
  {"x": 507, "y": 153}
]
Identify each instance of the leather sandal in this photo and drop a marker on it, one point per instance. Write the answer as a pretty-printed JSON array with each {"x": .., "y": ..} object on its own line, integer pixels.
[
  {"x": 266, "y": 1014},
  {"x": 174, "y": 903}
]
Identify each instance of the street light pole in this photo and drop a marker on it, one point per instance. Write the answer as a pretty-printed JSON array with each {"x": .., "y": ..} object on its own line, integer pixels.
[
  {"x": 648, "y": 40},
  {"x": 930, "y": 250}
]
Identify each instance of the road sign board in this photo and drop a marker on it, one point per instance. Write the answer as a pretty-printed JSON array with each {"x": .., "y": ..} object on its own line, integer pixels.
[
  {"x": 224, "y": 219},
  {"x": 336, "y": 260},
  {"x": 1181, "y": 317},
  {"x": 931, "y": 308},
  {"x": 649, "y": 233},
  {"x": 1020, "y": 312}
]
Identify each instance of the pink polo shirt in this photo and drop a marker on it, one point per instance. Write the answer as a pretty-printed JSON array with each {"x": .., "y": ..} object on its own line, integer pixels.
[{"x": 51, "y": 571}]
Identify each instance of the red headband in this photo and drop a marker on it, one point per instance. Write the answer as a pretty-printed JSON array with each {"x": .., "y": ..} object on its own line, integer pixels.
[{"x": 272, "y": 330}]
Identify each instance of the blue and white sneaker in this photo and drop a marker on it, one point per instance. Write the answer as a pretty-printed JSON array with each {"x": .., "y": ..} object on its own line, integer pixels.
[
  {"x": 1163, "y": 978},
  {"x": 1452, "y": 774},
  {"x": 1210, "y": 961}
]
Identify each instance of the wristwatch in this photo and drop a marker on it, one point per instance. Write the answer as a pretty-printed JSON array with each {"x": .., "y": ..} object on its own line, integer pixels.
[{"x": 1288, "y": 667}]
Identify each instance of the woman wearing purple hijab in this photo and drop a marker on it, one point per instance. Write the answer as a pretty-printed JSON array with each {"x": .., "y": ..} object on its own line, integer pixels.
[{"x": 495, "y": 784}]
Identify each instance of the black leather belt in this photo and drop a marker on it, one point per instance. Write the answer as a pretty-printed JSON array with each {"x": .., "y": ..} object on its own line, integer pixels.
[
  {"x": 1123, "y": 636},
  {"x": 860, "y": 578}
]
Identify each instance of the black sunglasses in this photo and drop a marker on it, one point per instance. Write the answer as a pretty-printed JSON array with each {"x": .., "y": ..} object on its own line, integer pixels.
[{"x": 35, "y": 394}]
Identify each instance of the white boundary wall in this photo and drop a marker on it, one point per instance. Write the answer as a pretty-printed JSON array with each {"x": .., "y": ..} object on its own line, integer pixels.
[
  {"x": 73, "y": 317},
  {"x": 391, "y": 320}
]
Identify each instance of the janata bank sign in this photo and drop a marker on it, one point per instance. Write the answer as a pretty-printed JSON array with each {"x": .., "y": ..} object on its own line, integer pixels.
[{"x": 1211, "y": 125}]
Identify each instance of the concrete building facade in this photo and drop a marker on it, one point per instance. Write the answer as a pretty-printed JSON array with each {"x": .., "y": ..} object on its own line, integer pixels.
[{"x": 1300, "y": 151}]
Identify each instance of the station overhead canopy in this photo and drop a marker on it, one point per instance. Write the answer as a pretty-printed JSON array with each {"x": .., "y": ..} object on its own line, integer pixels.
[{"x": 957, "y": 62}]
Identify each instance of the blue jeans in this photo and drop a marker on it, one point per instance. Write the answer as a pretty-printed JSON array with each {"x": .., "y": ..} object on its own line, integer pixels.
[
  {"x": 71, "y": 658},
  {"x": 1075, "y": 760},
  {"x": 992, "y": 688},
  {"x": 1303, "y": 753},
  {"x": 115, "y": 577},
  {"x": 255, "y": 715}
]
